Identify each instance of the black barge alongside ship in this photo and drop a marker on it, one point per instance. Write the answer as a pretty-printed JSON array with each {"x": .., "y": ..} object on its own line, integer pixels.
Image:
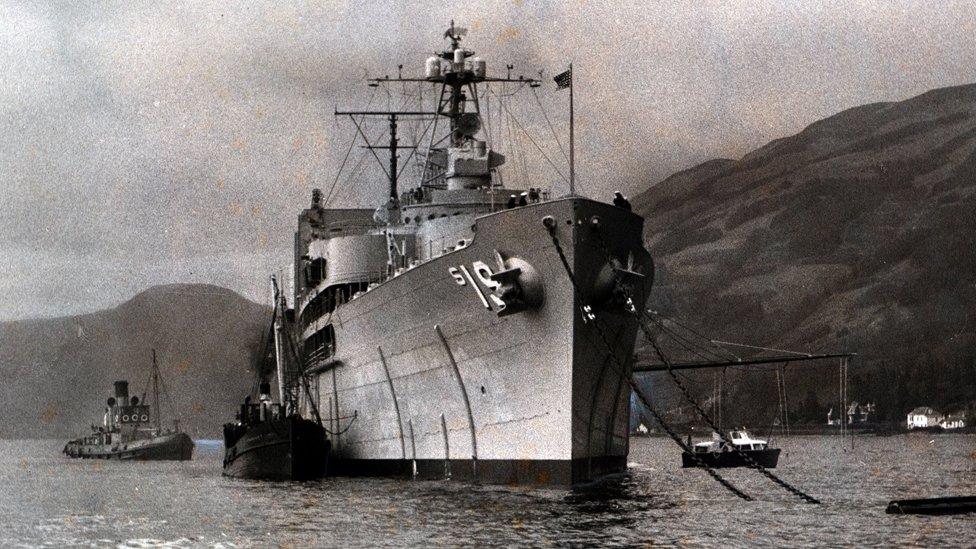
[
  {"x": 268, "y": 444},
  {"x": 272, "y": 440}
]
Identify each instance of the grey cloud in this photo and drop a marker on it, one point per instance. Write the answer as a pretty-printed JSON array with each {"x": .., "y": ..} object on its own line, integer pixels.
[{"x": 149, "y": 143}]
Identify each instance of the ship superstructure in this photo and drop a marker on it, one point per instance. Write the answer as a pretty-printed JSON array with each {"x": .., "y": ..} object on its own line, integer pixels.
[{"x": 440, "y": 331}]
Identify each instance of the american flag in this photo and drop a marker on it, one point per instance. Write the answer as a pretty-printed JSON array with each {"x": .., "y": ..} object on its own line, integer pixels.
[{"x": 564, "y": 79}]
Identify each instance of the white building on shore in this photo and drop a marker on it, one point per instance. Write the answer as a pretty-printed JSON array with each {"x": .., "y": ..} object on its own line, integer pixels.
[
  {"x": 923, "y": 417},
  {"x": 953, "y": 421}
]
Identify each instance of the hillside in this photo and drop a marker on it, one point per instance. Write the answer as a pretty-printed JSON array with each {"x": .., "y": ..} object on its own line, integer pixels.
[
  {"x": 855, "y": 234},
  {"x": 58, "y": 372}
]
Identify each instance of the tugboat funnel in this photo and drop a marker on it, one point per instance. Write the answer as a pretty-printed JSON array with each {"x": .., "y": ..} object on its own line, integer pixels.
[{"x": 122, "y": 391}]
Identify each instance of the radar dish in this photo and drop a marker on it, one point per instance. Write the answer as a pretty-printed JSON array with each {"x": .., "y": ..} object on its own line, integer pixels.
[
  {"x": 455, "y": 32},
  {"x": 468, "y": 124}
]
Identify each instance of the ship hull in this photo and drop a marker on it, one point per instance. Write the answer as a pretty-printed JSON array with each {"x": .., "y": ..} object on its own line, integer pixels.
[
  {"x": 282, "y": 449},
  {"x": 169, "y": 447},
  {"x": 428, "y": 379}
]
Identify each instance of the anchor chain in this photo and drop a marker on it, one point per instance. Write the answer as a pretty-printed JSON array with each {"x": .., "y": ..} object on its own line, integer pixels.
[
  {"x": 674, "y": 436},
  {"x": 622, "y": 371},
  {"x": 642, "y": 323}
]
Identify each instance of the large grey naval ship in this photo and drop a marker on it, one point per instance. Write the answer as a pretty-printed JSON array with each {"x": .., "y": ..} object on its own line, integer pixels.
[{"x": 441, "y": 333}]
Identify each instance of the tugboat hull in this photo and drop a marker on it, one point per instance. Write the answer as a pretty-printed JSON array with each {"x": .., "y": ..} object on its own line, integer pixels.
[
  {"x": 172, "y": 446},
  {"x": 718, "y": 460},
  {"x": 292, "y": 448}
]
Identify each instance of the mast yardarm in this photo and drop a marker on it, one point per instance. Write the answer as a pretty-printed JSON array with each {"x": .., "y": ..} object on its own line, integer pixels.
[{"x": 468, "y": 160}]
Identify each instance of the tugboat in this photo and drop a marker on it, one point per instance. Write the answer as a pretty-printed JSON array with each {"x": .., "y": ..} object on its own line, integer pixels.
[
  {"x": 718, "y": 454},
  {"x": 272, "y": 441},
  {"x": 130, "y": 430}
]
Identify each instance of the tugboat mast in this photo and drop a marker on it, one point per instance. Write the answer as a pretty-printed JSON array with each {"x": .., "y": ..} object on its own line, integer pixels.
[{"x": 288, "y": 374}]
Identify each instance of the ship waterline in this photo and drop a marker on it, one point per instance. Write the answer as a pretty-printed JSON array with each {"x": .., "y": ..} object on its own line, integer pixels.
[{"x": 427, "y": 378}]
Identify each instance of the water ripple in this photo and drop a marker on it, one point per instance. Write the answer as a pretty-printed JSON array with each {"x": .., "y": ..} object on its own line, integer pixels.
[{"x": 50, "y": 501}]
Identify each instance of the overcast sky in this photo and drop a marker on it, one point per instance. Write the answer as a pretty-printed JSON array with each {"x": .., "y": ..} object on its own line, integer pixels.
[{"x": 148, "y": 143}]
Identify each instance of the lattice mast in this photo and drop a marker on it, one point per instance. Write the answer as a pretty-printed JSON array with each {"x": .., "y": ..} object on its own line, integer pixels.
[{"x": 466, "y": 161}]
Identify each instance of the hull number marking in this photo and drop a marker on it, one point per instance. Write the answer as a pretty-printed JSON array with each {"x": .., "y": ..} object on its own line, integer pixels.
[{"x": 462, "y": 276}]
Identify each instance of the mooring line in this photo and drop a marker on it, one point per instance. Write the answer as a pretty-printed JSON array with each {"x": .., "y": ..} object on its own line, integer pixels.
[
  {"x": 641, "y": 321},
  {"x": 587, "y": 312}
]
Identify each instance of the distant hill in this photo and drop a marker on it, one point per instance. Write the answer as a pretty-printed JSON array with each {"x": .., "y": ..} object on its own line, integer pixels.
[
  {"x": 858, "y": 233},
  {"x": 58, "y": 372}
]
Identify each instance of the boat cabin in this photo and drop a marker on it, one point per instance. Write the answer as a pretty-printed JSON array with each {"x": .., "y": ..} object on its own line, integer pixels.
[{"x": 741, "y": 440}]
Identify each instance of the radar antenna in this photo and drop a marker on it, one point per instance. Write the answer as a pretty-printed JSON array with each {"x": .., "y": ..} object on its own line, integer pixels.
[
  {"x": 455, "y": 33},
  {"x": 458, "y": 101}
]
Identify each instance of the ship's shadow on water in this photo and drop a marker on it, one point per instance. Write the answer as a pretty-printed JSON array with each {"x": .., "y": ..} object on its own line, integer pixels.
[
  {"x": 581, "y": 512},
  {"x": 617, "y": 496}
]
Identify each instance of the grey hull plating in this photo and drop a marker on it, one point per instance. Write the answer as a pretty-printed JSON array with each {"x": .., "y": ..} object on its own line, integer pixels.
[{"x": 427, "y": 379}]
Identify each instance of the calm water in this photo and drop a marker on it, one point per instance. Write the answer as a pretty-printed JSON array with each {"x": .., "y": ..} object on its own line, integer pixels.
[{"x": 49, "y": 500}]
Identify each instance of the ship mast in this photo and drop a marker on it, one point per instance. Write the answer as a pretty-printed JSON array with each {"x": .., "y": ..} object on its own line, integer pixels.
[
  {"x": 288, "y": 374},
  {"x": 458, "y": 79},
  {"x": 159, "y": 411},
  {"x": 276, "y": 330}
]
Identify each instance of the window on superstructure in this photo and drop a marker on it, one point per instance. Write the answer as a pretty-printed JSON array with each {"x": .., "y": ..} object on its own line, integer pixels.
[
  {"x": 315, "y": 271},
  {"x": 330, "y": 298},
  {"x": 320, "y": 346}
]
